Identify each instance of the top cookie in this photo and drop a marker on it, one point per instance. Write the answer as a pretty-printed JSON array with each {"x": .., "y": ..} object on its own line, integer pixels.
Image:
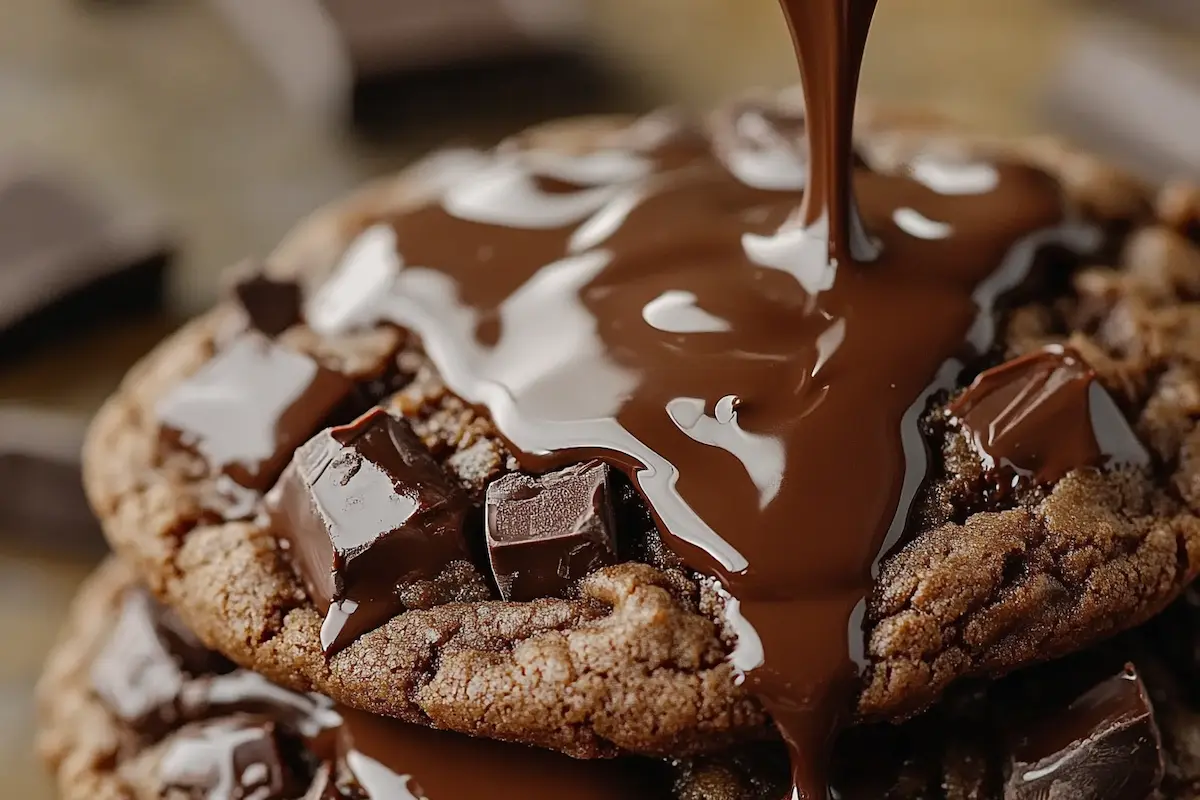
[{"x": 1054, "y": 506}]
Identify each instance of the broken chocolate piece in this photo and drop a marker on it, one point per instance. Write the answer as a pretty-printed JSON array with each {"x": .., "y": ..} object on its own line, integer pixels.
[
  {"x": 136, "y": 675},
  {"x": 1103, "y": 746},
  {"x": 1043, "y": 415},
  {"x": 143, "y": 667},
  {"x": 237, "y": 758},
  {"x": 272, "y": 306},
  {"x": 69, "y": 255},
  {"x": 366, "y": 510},
  {"x": 250, "y": 407},
  {"x": 545, "y": 533}
]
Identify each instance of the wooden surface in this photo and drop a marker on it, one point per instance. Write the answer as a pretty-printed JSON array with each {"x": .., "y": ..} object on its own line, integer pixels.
[{"x": 157, "y": 100}]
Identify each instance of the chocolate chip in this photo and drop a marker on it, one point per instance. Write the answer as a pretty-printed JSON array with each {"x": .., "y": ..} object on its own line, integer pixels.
[
  {"x": 236, "y": 758},
  {"x": 1105, "y": 745},
  {"x": 545, "y": 533},
  {"x": 248, "y": 408},
  {"x": 1043, "y": 415},
  {"x": 272, "y": 306},
  {"x": 365, "y": 510}
]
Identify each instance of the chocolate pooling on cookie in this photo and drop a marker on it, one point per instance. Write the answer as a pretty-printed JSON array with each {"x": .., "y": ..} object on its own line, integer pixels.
[
  {"x": 545, "y": 533},
  {"x": 1042, "y": 415},
  {"x": 754, "y": 354},
  {"x": 366, "y": 510},
  {"x": 235, "y": 736},
  {"x": 250, "y": 407},
  {"x": 1104, "y": 745}
]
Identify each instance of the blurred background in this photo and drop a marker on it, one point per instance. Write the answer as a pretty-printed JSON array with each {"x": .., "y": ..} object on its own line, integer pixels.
[{"x": 147, "y": 144}]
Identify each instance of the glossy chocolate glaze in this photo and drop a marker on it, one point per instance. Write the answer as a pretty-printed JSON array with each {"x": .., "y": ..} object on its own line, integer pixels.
[
  {"x": 748, "y": 324},
  {"x": 650, "y": 304},
  {"x": 1042, "y": 415}
]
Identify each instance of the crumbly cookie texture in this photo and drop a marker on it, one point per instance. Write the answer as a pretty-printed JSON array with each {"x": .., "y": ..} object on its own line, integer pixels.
[
  {"x": 636, "y": 661},
  {"x": 96, "y": 756}
]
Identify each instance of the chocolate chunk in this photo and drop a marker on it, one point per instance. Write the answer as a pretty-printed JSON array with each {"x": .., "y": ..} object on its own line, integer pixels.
[
  {"x": 545, "y": 533},
  {"x": 143, "y": 667},
  {"x": 69, "y": 256},
  {"x": 1105, "y": 745},
  {"x": 1043, "y": 415},
  {"x": 237, "y": 758},
  {"x": 248, "y": 409},
  {"x": 366, "y": 510},
  {"x": 43, "y": 505},
  {"x": 272, "y": 306}
]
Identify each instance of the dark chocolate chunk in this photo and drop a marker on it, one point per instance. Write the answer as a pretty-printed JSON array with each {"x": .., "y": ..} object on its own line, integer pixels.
[
  {"x": 43, "y": 505},
  {"x": 1105, "y": 745},
  {"x": 545, "y": 533},
  {"x": 136, "y": 675},
  {"x": 250, "y": 407},
  {"x": 365, "y": 510},
  {"x": 1043, "y": 415},
  {"x": 236, "y": 758},
  {"x": 144, "y": 665},
  {"x": 69, "y": 256},
  {"x": 272, "y": 306}
]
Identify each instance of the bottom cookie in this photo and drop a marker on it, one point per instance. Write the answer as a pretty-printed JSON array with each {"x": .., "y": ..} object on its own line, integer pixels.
[{"x": 134, "y": 707}]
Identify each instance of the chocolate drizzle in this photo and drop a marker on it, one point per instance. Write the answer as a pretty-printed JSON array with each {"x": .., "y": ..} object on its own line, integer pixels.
[{"x": 645, "y": 305}]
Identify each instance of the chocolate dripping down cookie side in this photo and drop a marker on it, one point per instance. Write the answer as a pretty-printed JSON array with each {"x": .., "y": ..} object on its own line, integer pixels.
[{"x": 748, "y": 325}]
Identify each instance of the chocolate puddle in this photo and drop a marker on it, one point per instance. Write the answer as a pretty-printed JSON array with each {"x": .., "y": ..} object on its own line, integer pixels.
[{"x": 754, "y": 357}]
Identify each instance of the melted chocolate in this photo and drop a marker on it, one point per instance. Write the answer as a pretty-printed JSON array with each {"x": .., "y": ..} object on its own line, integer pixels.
[
  {"x": 650, "y": 305},
  {"x": 1043, "y": 415},
  {"x": 751, "y": 335},
  {"x": 248, "y": 409}
]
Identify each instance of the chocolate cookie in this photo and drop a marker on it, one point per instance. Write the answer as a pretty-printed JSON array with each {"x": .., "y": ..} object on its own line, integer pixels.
[
  {"x": 134, "y": 707},
  {"x": 398, "y": 562}
]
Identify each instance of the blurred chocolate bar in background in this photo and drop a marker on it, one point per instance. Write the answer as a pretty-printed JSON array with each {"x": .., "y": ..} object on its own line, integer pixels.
[
  {"x": 1131, "y": 93},
  {"x": 70, "y": 256},
  {"x": 1184, "y": 13},
  {"x": 388, "y": 63},
  {"x": 42, "y": 504}
]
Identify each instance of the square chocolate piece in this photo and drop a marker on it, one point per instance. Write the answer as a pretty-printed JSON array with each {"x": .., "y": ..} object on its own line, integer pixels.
[
  {"x": 1104, "y": 745},
  {"x": 249, "y": 408},
  {"x": 365, "y": 510},
  {"x": 545, "y": 533}
]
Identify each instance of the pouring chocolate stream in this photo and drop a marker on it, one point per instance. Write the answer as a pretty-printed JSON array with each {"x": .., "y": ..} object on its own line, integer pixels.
[{"x": 677, "y": 305}]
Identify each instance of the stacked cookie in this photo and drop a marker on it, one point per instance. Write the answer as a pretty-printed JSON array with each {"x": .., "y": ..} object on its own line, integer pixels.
[{"x": 350, "y": 568}]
